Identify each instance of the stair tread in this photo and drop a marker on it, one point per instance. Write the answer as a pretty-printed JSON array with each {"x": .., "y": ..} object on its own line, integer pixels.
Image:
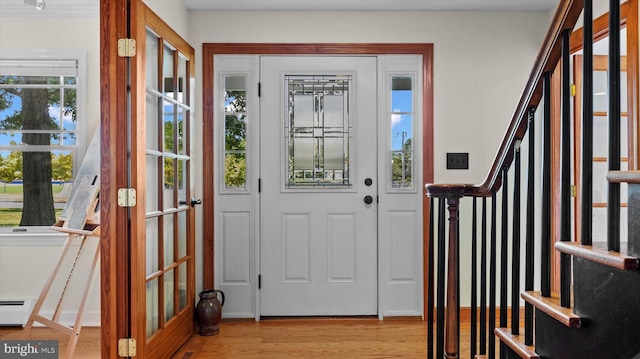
[
  {"x": 516, "y": 343},
  {"x": 602, "y": 256},
  {"x": 624, "y": 176},
  {"x": 551, "y": 306}
]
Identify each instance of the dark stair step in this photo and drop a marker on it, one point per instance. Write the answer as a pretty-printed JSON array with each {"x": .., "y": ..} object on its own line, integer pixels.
[
  {"x": 516, "y": 343},
  {"x": 606, "y": 299},
  {"x": 551, "y": 306},
  {"x": 612, "y": 259}
]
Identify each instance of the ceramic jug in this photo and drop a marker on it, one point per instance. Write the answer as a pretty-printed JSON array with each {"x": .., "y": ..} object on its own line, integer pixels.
[{"x": 209, "y": 311}]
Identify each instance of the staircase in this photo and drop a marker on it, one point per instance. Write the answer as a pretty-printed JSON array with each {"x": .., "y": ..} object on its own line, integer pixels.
[{"x": 594, "y": 310}]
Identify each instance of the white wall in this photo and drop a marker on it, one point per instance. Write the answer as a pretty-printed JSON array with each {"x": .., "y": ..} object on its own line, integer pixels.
[
  {"x": 173, "y": 12},
  {"x": 481, "y": 63},
  {"x": 26, "y": 263}
]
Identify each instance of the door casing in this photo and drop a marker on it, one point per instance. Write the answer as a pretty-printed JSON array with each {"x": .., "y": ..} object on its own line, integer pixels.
[{"x": 212, "y": 49}]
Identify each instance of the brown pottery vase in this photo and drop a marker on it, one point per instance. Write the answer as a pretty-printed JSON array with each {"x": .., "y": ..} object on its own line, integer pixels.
[{"x": 209, "y": 312}]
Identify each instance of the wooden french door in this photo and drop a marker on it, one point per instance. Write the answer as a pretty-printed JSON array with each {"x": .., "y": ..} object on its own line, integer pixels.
[{"x": 148, "y": 276}]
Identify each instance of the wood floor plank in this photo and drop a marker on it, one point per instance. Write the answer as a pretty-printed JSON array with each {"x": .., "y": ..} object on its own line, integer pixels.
[{"x": 282, "y": 339}]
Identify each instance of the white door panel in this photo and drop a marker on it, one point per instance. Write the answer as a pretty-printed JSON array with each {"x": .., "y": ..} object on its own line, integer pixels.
[{"x": 318, "y": 236}]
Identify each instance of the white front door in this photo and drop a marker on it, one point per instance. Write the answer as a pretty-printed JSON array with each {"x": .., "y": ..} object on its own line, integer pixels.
[{"x": 318, "y": 179}]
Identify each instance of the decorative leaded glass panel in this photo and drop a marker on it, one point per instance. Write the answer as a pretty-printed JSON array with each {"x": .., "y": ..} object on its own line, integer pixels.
[{"x": 318, "y": 131}]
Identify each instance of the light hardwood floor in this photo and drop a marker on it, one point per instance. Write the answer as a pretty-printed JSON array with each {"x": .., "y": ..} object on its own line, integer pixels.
[{"x": 283, "y": 338}]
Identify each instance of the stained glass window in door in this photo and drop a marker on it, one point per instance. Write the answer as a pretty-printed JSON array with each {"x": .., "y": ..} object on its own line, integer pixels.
[{"x": 318, "y": 131}]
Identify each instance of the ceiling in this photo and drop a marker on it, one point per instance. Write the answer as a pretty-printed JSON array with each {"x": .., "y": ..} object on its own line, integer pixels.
[
  {"x": 68, "y": 8},
  {"x": 373, "y": 5}
]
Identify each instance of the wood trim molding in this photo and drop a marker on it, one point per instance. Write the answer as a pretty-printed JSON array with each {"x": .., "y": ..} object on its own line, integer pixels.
[
  {"x": 208, "y": 66},
  {"x": 600, "y": 27},
  {"x": 114, "y": 304}
]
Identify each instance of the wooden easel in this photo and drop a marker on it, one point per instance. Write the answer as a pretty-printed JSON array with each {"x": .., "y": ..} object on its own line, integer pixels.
[
  {"x": 91, "y": 230},
  {"x": 80, "y": 219}
]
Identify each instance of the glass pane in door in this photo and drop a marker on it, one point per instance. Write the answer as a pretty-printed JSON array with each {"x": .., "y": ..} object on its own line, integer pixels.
[
  {"x": 318, "y": 131},
  {"x": 401, "y": 131},
  {"x": 235, "y": 133}
]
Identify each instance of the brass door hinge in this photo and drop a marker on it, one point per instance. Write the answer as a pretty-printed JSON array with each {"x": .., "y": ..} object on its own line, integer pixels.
[
  {"x": 574, "y": 191},
  {"x": 573, "y": 90},
  {"x": 126, "y": 197},
  {"x": 126, "y": 347},
  {"x": 126, "y": 47}
]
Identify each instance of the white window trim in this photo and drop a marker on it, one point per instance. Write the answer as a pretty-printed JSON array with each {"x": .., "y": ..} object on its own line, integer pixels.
[{"x": 81, "y": 98}]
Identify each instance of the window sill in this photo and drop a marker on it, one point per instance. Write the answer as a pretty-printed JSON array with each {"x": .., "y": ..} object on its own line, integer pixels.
[{"x": 33, "y": 237}]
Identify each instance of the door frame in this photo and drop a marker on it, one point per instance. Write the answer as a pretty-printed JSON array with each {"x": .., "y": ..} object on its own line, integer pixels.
[
  {"x": 209, "y": 50},
  {"x": 114, "y": 299}
]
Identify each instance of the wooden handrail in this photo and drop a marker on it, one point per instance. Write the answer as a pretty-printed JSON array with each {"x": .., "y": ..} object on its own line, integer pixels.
[
  {"x": 566, "y": 15},
  {"x": 624, "y": 176}
]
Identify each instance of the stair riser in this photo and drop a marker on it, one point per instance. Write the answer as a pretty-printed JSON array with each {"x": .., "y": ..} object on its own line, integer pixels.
[
  {"x": 509, "y": 353},
  {"x": 634, "y": 220},
  {"x": 607, "y": 300}
]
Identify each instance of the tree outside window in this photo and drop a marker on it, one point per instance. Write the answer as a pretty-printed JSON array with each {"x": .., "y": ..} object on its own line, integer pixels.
[
  {"x": 38, "y": 140},
  {"x": 235, "y": 133}
]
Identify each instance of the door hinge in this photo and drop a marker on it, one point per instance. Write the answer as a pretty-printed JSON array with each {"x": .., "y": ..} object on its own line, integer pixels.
[
  {"x": 574, "y": 191},
  {"x": 259, "y": 89},
  {"x": 259, "y": 185},
  {"x": 126, "y": 347},
  {"x": 126, "y": 47},
  {"x": 126, "y": 197},
  {"x": 573, "y": 90},
  {"x": 259, "y": 281}
]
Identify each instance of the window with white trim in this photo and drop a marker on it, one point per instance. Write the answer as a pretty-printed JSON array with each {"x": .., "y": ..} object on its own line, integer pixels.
[{"x": 40, "y": 102}]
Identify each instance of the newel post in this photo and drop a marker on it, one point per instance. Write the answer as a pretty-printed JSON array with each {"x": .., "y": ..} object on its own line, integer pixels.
[{"x": 452, "y": 342}]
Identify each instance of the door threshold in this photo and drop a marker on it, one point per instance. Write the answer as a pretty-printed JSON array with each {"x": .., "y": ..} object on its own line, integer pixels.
[{"x": 319, "y": 317}]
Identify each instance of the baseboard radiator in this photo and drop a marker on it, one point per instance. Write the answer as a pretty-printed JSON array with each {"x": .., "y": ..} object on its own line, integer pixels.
[{"x": 15, "y": 312}]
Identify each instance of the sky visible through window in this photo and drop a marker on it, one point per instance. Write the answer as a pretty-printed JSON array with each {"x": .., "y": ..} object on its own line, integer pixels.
[
  {"x": 401, "y": 119},
  {"x": 55, "y": 112}
]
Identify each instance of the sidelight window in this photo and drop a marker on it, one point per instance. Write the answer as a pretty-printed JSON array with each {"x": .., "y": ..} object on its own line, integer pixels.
[
  {"x": 235, "y": 133},
  {"x": 402, "y": 116}
]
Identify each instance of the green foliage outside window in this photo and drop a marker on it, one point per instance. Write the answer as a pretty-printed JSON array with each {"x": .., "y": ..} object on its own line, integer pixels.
[
  {"x": 235, "y": 140},
  {"x": 37, "y": 111},
  {"x": 401, "y": 166}
]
